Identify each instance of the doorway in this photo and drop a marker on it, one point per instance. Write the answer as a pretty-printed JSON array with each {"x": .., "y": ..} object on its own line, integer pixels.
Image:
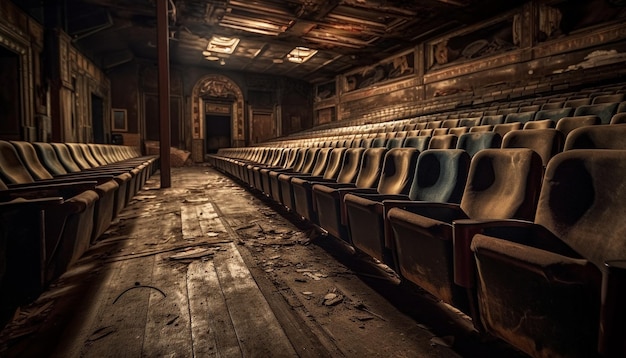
[
  {"x": 97, "y": 119},
  {"x": 10, "y": 101},
  {"x": 217, "y": 132}
]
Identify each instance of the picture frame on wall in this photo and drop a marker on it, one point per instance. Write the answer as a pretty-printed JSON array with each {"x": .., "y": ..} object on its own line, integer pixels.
[{"x": 119, "y": 120}]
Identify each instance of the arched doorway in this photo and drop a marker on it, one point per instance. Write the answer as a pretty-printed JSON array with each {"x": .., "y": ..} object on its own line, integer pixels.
[{"x": 212, "y": 97}]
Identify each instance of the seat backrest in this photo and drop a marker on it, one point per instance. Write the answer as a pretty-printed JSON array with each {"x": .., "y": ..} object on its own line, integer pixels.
[
  {"x": 545, "y": 142},
  {"x": 567, "y": 124},
  {"x": 418, "y": 142},
  {"x": 503, "y": 184},
  {"x": 49, "y": 158},
  {"x": 379, "y": 142},
  {"x": 88, "y": 156},
  {"x": 299, "y": 159},
  {"x": 350, "y": 165},
  {"x": 398, "y": 171},
  {"x": 553, "y": 105},
  {"x": 618, "y": 118},
  {"x": 577, "y": 102},
  {"x": 450, "y": 123},
  {"x": 540, "y": 124},
  {"x": 440, "y": 176},
  {"x": 505, "y": 128},
  {"x": 608, "y": 98},
  {"x": 394, "y": 143},
  {"x": 469, "y": 122},
  {"x": 371, "y": 166},
  {"x": 597, "y": 137},
  {"x": 458, "y": 131},
  {"x": 472, "y": 143},
  {"x": 433, "y": 124},
  {"x": 521, "y": 117},
  {"x": 426, "y": 132},
  {"x": 11, "y": 167},
  {"x": 481, "y": 128},
  {"x": 492, "y": 120},
  {"x": 321, "y": 161},
  {"x": 29, "y": 158},
  {"x": 65, "y": 157},
  {"x": 583, "y": 200},
  {"x": 447, "y": 141},
  {"x": 97, "y": 154},
  {"x": 604, "y": 111},
  {"x": 77, "y": 155},
  {"x": 554, "y": 114},
  {"x": 334, "y": 160}
]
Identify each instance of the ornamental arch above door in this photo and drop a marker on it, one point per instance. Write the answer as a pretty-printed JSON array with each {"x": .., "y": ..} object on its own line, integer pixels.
[{"x": 219, "y": 88}]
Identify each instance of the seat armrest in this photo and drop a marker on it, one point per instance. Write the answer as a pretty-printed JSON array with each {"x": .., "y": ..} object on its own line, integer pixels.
[
  {"x": 21, "y": 203},
  {"x": 445, "y": 212},
  {"x": 463, "y": 233},
  {"x": 39, "y": 190},
  {"x": 612, "y": 325},
  {"x": 519, "y": 231}
]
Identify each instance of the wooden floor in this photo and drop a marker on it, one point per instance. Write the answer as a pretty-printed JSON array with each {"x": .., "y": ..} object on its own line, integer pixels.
[{"x": 208, "y": 269}]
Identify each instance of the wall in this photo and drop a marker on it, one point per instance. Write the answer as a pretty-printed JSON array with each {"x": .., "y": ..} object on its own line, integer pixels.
[{"x": 529, "y": 51}]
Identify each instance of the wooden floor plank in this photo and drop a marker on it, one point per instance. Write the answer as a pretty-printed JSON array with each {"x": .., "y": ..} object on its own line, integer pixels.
[
  {"x": 259, "y": 333},
  {"x": 221, "y": 325},
  {"x": 119, "y": 329},
  {"x": 202, "y": 332},
  {"x": 189, "y": 219},
  {"x": 168, "y": 331}
]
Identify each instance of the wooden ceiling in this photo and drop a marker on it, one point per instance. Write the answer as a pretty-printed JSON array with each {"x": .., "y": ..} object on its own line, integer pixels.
[{"x": 346, "y": 33}]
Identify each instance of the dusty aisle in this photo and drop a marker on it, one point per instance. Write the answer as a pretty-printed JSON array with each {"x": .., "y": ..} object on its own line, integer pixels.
[{"x": 206, "y": 268}]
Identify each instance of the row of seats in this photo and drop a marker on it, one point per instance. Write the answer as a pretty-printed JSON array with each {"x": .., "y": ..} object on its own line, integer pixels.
[
  {"x": 564, "y": 119},
  {"x": 531, "y": 248},
  {"x": 56, "y": 199},
  {"x": 396, "y": 112}
]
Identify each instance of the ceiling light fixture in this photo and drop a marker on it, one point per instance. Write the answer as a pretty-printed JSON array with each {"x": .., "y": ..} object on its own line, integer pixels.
[
  {"x": 300, "y": 54},
  {"x": 222, "y": 44}
]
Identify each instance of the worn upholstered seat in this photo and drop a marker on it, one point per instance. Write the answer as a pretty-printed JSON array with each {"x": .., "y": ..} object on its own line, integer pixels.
[
  {"x": 328, "y": 198},
  {"x": 567, "y": 124},
  {"x": 307, "y": 166},
  {"x": 492, "y": 120},
  {"x": 597, "y": 137},
  {"x": 604, "y": 111},
  {"x": 342, "y": 167},
  {"x": 545, "y": 142},
  {"x": 522, "y": 117},
  {"x": 618, "y": 118},
  {"x": 502, "y": 183},
  {"x": 554, "y": 114},
  {"x": 418, "y": 142},
  {"x": 504, "y": 128},
  {"x": 395, "y": 179},
  {"x": 555, "y": 287},
  {"x": 439, "y": 176},
  {"x": 447, "y": 141},
  {"x": 269, "y": 175},
  {"x": 472, "y": 143},
  {"x": 316, "y": 170}
]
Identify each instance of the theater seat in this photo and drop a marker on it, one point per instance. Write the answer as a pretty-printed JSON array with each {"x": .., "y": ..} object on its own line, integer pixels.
[
  {"x": 555, "y": 287},
  {"x": 502, "y": 184},
  {"x": 604, "y": 111},
  {"x": 342, "y": 167},
  {"x": 328, "y": 198},
  {"x": 317, "y": 170},
  {"x": 307, "y": 166},
  {"x": 597, "y": 137},
  {"x": 447, "y": 141},
  {"x": 545, "y": 142},
  {"x": 439, "y": 176},
  {"x": 418, "y": 142},
  {"x": 472, "y": 143},
  {"x": 567, "y": 124}
]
